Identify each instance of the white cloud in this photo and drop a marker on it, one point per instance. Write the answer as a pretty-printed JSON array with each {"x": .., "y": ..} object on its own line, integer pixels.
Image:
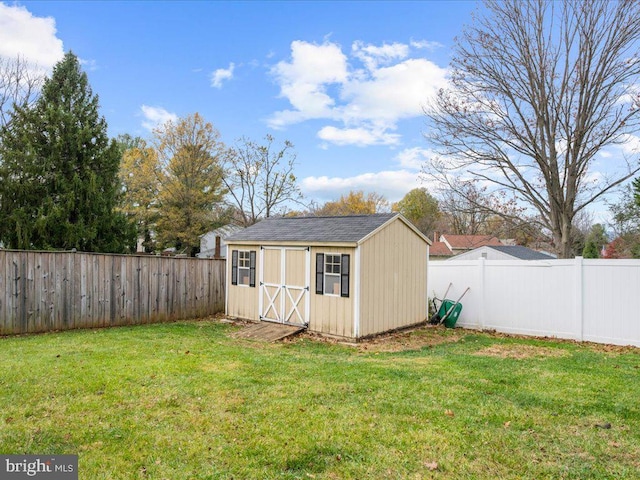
[
  {"x": 426, "y": 44},
  {"x": 34, "y": 38},
  {"x": 222, "y": 74},
  {"x": 312, "y": 64},
  {"x": 394, "y": 92},
  {"x": 304, "y": 81},
  {"x": 322, "y": 83},
  {"x": 630, "y": 144},
  {"x": 392, "y": 184},
  {"x": 413, "y": 158},
  {"x": 90, "y": 65},
  {"x": 372, "y": 56},
  {"x": 156, "y": 116},
  {"x": 360, "y": 136}
]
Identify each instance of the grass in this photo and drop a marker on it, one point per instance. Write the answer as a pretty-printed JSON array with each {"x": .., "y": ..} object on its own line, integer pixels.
[{"x": 188, "y": 401}]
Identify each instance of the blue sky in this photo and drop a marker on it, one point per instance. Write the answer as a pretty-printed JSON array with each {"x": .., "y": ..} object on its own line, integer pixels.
[{"x": 344, "y": 81}]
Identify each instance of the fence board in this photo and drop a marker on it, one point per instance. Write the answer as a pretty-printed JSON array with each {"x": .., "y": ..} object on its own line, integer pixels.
[
  {"x": 592, "y": 300},
  {"x": 44, "y": 291}
]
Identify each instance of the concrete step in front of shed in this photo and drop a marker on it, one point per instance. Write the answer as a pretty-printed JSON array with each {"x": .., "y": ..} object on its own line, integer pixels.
[{"x": 268, "y": 331}]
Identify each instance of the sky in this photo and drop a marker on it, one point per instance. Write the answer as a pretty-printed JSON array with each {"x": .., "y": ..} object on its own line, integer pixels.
[{"x": 345, "y": 82}]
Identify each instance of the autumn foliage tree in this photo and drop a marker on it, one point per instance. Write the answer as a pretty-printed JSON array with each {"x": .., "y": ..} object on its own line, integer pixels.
[
  {"x": 140, "y": 175},
  {"x": 355, "y": 203},
  {"x": 421, "y": 209},
  {"x": 190, "y": 181},
  {"x": 538, "y": 88}
]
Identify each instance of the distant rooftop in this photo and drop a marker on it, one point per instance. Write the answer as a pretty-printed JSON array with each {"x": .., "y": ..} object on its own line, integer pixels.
[
  {"x": 468, "y": 242},
  {"x": 523, "y": 253},
  {"x": 439, "y": 249}
]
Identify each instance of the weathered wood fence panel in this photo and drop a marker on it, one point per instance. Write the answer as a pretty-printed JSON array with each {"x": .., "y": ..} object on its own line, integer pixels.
[{"x": 45, "y": 291}]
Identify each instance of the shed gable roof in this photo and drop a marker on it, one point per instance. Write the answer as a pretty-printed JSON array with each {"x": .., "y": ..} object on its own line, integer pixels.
[{"x": 351, "y": 228}]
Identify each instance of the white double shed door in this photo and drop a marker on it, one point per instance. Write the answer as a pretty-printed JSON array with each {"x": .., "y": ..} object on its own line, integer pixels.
[{"x": 284, "y": 279}]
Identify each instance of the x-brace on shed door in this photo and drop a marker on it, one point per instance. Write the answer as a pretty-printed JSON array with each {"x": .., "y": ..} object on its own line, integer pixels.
[{"x": 284, "y": 284}]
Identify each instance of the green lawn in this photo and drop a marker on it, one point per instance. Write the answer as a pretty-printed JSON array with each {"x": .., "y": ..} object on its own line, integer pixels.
[{"x": 188, "y": 401}]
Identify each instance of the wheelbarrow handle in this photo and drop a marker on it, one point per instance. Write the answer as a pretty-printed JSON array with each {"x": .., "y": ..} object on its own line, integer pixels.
[
  {"x": 445, "y": 293},
  {"x": 463, "y": 294},
  {"x": 448, "y": 312}
]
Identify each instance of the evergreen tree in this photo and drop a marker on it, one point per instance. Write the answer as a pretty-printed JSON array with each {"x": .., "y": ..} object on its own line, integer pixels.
[
  {"x": 590, "y": 250},
  {"x": 595, "y": 241},
  {"x": 59, "y": 171}
]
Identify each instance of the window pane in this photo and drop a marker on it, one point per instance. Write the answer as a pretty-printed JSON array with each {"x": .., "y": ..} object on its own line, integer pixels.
[
  {"x": 332, "y": 285},
  {"x": 243, "y": 259},
  {"x": 243, "y": 276}
]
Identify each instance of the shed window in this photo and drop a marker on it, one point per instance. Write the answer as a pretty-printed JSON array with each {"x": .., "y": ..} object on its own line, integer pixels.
[
  {"x": 244, "y": 264},
  {"x": 243, "y": 267},
  {"x": 332, "y": 274}
]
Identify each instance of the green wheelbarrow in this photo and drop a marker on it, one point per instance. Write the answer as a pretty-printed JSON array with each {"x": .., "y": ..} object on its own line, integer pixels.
[{"x": 449, "y": 310}]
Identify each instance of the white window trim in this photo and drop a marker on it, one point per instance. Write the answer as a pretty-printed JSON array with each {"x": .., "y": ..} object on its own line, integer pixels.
[
  {"x": 248, "y": 269},
  {"x": 325, "y": 274}
]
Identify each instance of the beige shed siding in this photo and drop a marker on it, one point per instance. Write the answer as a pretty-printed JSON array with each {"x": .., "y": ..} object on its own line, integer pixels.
[
  {"x": 242, "y": 301},
  {"x": 393, "y": 276},
  {"x": 332, "y": 314}
]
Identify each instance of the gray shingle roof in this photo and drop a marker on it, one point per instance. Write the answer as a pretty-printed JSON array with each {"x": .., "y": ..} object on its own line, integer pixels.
[
  {"x": 312, "y": 229},
  {"x": 523, "y": 253}
]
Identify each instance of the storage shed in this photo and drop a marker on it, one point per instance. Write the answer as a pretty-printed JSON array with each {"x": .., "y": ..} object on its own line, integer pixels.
[{"x": 351, "y": 277}]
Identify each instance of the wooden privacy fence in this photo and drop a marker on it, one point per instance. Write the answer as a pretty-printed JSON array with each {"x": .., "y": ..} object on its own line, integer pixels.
[
  {"x": 580, "y": 299},
  {"x": 44, "y": 291}
]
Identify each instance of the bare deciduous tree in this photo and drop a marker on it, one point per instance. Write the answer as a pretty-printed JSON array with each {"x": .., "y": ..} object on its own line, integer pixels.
[
  {"x": 469, "y": 209},
  {"x": 260, "y": 178},
  {"x": 538, "y": 88},
  {"x": 20, "y": 83}
]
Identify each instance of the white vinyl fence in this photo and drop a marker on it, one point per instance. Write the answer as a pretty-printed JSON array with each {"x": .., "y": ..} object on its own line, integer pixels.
[{"x": 585, "y": 300}]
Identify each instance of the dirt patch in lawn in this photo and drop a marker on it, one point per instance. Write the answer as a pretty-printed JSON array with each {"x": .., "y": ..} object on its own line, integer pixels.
[
  {"x": 519, "y": 351},
  {"x": 404, "y": 340},
  {"x": 415, "y": 339}
]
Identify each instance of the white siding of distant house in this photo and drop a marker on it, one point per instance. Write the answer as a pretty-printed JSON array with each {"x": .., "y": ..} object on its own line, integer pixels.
[{"x": 208, "y": 241}]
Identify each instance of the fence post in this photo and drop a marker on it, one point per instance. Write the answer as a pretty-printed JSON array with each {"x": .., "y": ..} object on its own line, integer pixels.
[
  {"x": 579, "y": 298},
  {"x": 482, "y": 292}
]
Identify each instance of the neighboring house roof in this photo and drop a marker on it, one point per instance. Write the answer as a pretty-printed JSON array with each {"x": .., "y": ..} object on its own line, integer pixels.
[
  {"x": 349, "y": 229},
  {"x": 520, "y": 252},
  {"x": 502, "y": 252},
  {"x": 208, "y": 241},
  {"x": 439, "y": 249},
  {"x": 223, "y": 232},
  {"x": 469, "y": 242}
]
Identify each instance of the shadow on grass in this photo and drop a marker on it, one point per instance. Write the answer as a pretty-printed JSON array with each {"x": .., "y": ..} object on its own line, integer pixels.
[{"x": 316, "y": 459}]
